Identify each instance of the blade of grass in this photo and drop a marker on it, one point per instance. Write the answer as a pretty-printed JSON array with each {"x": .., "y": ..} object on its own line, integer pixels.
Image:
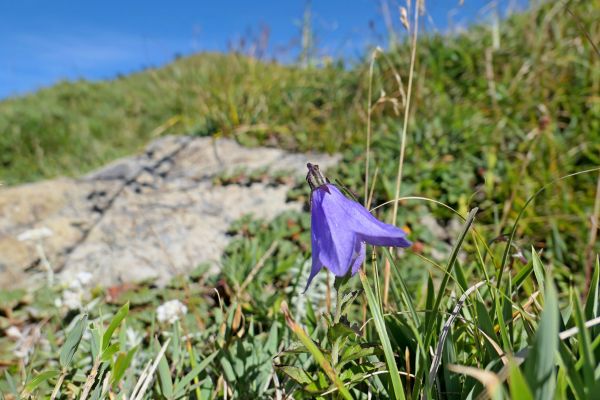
[
  {"x": 413, "y": 56},
  {"x": 147, "y": 377},
  {"x": 592, "y": 301},
  {"x": 374, "y": 306},
  {"x": 114, "y": 323},
  {"x": 540, "y": 366},
  {"x": 585, "y": 346},
  {"x": 516, "y": 383}
]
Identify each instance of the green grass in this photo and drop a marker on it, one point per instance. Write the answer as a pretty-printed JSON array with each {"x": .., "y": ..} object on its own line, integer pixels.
[{"x": 495, "y": 308}]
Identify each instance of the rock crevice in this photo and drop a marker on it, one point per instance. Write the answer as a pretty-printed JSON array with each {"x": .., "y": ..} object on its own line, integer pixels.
[{"x": 148, "y": 216}]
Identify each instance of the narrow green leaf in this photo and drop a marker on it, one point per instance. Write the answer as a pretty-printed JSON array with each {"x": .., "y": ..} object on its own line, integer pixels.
[
  {"x": 40, "y": 378},
  {"x": 273, "y": 340},
  {"x": 568, "y": 360},
  {"x": 10, "y": 381},
  {"x": 516, "y": 383},
  {"x": 487, "y": 326},
  {"x": 339, "y": 331},
  {"x": 461, "y": 279},
  {"x": 121, "y": 364},
  {"x": 95, "y": 341},
  {"x": 502, "y": 324},
  {"x": 375, "y": 307},
  {"x": 357, "y": 351},
  {"x": 429, "y": 301},
  {"x": 540, "y": 365},
  {"x": 538, "y": 270},
  {"x": 164, "y": 373},
  {"x": 116, "y": 321},
  {"x": 297, "y": 374},
  {"x": 109, "y": 352},
  {"x": 315, "y": 352},
  {"x": 592, "y": 301},
  {"x": 585, "y": 345},
  {"x": 310, "y": 314},
  {"x": 523, "y": 274},
  {"x": 181, "y": 385},
  {"x": 69, "y": 348}
]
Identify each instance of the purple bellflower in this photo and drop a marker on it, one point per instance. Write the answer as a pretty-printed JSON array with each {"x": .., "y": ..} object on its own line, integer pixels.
[{"x": 341, "y": 227}]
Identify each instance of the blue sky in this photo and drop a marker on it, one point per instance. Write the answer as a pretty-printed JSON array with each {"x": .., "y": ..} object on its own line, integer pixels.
[{"x": 42, "y": 42}]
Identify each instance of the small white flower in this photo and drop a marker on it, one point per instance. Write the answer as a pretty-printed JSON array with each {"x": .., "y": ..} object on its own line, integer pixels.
[
  {"x": 13, "y": 332},
  {"x": 170, "y": 311},
  {"x": 35, "y": 234},
  {"x": 84, "y": 278},
  {"x": 132, "y": 337},
  {"x": 72, "y": 299}
]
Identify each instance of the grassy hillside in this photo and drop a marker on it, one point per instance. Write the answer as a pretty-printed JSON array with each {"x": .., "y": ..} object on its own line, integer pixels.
[
  {"x": 492, "y": 122},
  {"x": 74, "y": 126}
]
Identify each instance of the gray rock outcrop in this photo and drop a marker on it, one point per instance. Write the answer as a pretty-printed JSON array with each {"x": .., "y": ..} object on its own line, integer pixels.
[{"x": 149, "y": 216}]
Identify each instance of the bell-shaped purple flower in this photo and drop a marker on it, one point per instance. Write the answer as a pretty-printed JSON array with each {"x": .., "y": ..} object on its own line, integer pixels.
[{"x": 340, "y": 227}]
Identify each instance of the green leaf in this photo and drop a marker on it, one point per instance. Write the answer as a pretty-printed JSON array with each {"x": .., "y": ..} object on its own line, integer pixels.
[
  {"x": 121, "y": 364},
  {"x": 180, "y": 386},
  {"x": 39, "y": 379},
  {"x": 348, "y": 299},
  {"x": 10, "y": 381},
  {"x": 109, "y": 352},
  {"x": 71, "y": 344},
  {"x": 297, "y": 374},
  {"x": 356, "y": 351},
  {"x": 585, "y": 346},
  {"x": 523, "y": 274},
  {"x": 540, "y": 365},
  {"x": 315, "y": 352},
  {"x": 502, "y": 324},
  {"x": 429, "y": 300},
  {"x": 95, "y": 341},
  {"x": 593, "y": 296},
  {"x": 487, "y": 326},
  {"x": 516, "y": 383},
  {"x": 568, "y": 360},
  {"x": 164, "y": 373},
  {"x": 376, "y": 312},
  {"x": 538, "y": 270},
  {"x": 310, "y": 315},
  {"x": 114, "y": 323},
  {"x": 460, "y": 277},
  {"x": 338, "y": 331}
]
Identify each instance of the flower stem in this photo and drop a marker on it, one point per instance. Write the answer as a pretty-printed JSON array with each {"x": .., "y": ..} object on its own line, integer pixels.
[
  {"x": 337, "y": 316},
  {"x": 59, "y": 382},
  {"x": 413, "y": 55}
]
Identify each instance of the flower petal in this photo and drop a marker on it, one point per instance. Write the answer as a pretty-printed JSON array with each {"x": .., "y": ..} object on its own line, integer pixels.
[
  {"x": 365, "y": 225},
  {"x": 331, "y": 234},
  {"x": 316, "y": 268},
  {"x": 360, "y": 249},
  {"x": 316, "y": 262}
]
